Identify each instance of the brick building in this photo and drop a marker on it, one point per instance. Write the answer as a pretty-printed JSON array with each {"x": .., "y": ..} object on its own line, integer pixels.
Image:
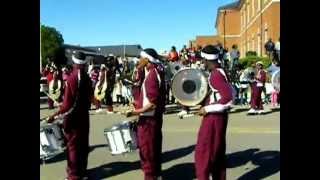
[
  {"x": 260, "y": 20},
  {"x": 205, "y": 40},
  {"x": 247, "y": 23}
]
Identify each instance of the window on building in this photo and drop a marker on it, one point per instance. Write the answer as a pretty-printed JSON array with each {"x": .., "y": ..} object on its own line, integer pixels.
[
  {"x": 258, "y": 43},
  {"x": 241, "y": 22},
  {"x": 244, "y": 19},
  {"x": 252, "y": 6},
  {"x": 253, "y": 45},
  {"x": 266, "y": 32},
  {"x": 248, "y": 13},
  {"x": 241, "y": 48}
]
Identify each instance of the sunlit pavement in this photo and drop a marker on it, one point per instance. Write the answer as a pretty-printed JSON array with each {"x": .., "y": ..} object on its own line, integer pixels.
[{"x": 253, "y": 148}]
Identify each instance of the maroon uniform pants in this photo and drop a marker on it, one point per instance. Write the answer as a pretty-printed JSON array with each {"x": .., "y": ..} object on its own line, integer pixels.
[
  {"x": 77, "y": 153},
  {"x": 210, "y": 158},
  {"x": 150, "y": 146},
  {"x": 256, "y": 101}
]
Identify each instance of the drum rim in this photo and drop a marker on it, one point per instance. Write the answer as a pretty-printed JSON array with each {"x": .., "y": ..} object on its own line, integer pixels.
[
  {"x": 206, "y": 89},
  {"x": 118, "y": 126}
]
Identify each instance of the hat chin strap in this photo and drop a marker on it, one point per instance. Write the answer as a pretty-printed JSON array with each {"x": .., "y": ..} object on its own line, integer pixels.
[{"x": 78, "y": 61}]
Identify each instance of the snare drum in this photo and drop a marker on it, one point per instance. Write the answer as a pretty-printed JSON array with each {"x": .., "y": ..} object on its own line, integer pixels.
[
  {"x": 121, "y": 138},
  {"x": 51, "y": 141}
]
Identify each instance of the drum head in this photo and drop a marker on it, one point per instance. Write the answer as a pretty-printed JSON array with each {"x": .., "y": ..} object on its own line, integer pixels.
[{"x": 189, "y": 86}]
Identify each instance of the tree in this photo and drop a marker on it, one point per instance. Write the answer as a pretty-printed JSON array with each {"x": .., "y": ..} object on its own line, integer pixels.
[{"x": 51, "y": 44}]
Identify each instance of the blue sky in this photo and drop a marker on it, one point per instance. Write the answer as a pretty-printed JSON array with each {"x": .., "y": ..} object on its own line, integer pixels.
[{"x": 151, "y": 23}]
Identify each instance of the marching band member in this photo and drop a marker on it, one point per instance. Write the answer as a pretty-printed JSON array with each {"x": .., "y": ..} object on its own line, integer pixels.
[
  {"x": 210, "y": 158},
  {"x": 94, "y": 76},
  {"x": 113, "y": 67},
  {"x": 184, "y": 53},
  {"x": 48, "y": 72},
  {"x": 137, "y": 78},
  {"x": 55, "y": 87},
  {"x": 101, "y": 80},
  {"x": 256, "y": 90},
  {"x": 75, "y": 111},
  {"x": 150, "y": 108}
]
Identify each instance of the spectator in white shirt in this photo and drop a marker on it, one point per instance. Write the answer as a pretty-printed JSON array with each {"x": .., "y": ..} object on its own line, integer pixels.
[{"x": 277, "y": 49}]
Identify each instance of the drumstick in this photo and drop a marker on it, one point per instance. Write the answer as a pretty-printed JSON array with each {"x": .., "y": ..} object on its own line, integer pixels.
[{"x": 51, "y": 98}]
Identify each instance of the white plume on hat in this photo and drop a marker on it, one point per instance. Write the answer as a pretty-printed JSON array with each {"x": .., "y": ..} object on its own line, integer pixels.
[
  {"x": 151, "y": 55},
  {"x": 210, "y": 53},
  {"x": 79, "y": 57}
]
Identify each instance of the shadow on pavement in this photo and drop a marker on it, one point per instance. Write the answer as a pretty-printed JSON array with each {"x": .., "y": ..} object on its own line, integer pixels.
[
  {"x": 271, "y": 111},
  {"x": 177, "y": 153},
  {"x": 58, "y": 158},
  {"x": 240, "y": 158},
  {"x": 91, "y": 148},
  {"x": 239, "y": 110},
  {"x": 275, "y": 109},
  {"x": 63, "y": 156},
  {"x": 116, "y": 168},
  {"x": 185, "y": 171},
  {"x": 267, "y": 162}
]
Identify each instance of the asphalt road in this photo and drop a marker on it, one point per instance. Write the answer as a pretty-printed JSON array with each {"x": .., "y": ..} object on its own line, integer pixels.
[{"x": 253, "y": 148}]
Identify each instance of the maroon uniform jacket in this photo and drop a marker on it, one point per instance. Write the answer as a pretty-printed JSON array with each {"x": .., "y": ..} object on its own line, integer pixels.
[
  {"x": 77, "y": 101},
  {"x": 261, "y": 78},
  {"x": 48, "y": 74},
  {"x": 221, "y": 96},
  {"x": 137, "y": 79},
  {"x": 152, "y": 90}
]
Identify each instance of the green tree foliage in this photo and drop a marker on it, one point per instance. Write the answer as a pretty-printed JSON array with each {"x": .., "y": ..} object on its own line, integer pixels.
[
  {"x": 251, "y": 58},
  {"x": 51, "y": 44}
]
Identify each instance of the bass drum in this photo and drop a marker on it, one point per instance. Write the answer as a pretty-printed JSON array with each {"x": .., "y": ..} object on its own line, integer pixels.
[
  {"x": 275, "y": 80},
  {"x": 190, "y": 86},
  {"x": 175, "y": 67}
]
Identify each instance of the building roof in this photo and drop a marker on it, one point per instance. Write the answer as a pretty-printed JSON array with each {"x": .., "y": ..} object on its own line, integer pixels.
[
  {"x": 70, "y": 48},
  {"x": 205, "y": 36},
  {"x": 233, "y": 5},
  {"x": 79, "y": 48},
  {"x": 119, "y": 50}
]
